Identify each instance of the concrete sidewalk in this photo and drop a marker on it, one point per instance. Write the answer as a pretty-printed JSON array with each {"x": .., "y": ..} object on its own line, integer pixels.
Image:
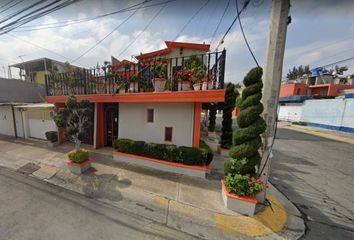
[{"x": 190, "y": 205}]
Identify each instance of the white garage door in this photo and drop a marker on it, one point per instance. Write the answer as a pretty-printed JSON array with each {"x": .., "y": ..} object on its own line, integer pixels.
[
  {"x": 39, "y": 122},
  {"x": 6, "y": 121}
]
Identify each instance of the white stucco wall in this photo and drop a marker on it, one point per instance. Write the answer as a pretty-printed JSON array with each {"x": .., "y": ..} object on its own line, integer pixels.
[
  {"x": 133, "y": 125},
  {"x": 348, "y": 116},
  {"x": 6, "y": 121},
  {"x": 290, "y": 112},
  {"x": 39, "y": 122}
]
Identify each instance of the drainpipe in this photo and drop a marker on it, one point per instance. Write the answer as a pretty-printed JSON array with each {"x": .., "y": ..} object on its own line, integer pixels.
[{"x": 14, "y": 120}]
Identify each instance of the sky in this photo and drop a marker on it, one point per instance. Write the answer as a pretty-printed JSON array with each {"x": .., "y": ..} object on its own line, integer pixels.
[{"x": 321, "y": 32}]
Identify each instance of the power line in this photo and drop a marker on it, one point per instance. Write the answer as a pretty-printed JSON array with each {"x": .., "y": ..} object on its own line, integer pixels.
[
  {"x": 4, "y": 10},
  {"x": 191, "y": 19},
  {"x": 6, "y": 4},
  {"x": 222, "y": 17},
  {"x": 72, "y": 22},
  {"x": 34, "y": 15},
  {"x": 244, "y": 36},
  {"x": 152, "y": 19},
  {"x": 338, "y": 62},
  {"x": 233, "y": 22},
  {"x": 97, "y": 43}
]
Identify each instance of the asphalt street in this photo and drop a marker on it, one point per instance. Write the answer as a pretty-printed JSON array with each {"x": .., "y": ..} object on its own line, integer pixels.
[
  {"x": 32, "y": 209},
  {"x": 316, "y": 174}
]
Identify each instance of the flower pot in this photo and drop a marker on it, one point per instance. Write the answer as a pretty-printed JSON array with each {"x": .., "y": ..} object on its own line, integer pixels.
[
  {"x": 244, "y": 205},
  {"x": 121, "y": 91},
  {"x": 196, "y": 86},
  {"x": 184, "y": 86},
  {"x": 78, "y": 168},
  {"x": 133, "y": 87},
  {"x": 159, "y": 84},
  {"x": 207, "y": 86}
]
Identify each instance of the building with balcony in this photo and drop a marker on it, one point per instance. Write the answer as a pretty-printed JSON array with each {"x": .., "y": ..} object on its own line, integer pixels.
[{"x": 161, "y": 108}]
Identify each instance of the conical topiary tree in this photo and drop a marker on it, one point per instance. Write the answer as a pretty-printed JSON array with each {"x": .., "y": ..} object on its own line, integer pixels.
[
  {"x": 227, "y": 107},
  {"x": 244, "y": 156},
  {"x": 212, "y": 117}
]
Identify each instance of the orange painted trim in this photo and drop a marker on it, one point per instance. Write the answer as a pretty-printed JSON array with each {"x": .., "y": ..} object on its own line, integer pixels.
[
  {"x": 171, "y": 134},
  {"x": 147, "y": 115},
  {"x": 78, "y": 164},
  {"x": 100, "y": 125},
  {"x": 164, "y": 162},
  {"x": 244, "y": 198},
  {"x": 198, "y": 46},
  {"x": 153, "y": 54},
  {"x": 167, "y": 96},
  {"x": 196, "y": 124}
]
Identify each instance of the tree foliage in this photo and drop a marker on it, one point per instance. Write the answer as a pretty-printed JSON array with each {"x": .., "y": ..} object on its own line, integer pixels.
[
  {"x": 212, "y": 117},
  {"x": 297, "y": 72},
  {"x": 74, "y": 118},
  {"x": 228, "y": 107},
  {"x": 246, "y": 138}
]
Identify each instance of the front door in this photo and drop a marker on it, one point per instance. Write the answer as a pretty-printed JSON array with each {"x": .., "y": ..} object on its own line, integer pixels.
[{"x": 111, "y": 124}]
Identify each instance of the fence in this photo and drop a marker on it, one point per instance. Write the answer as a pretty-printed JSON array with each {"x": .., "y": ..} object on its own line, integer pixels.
[{"x": 106, "y": 79}]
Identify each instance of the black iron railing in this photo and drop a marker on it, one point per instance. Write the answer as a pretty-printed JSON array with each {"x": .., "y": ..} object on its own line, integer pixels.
[{"x": 208, "y": 68}]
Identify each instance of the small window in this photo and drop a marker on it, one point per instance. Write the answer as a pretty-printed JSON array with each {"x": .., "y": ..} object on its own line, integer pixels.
[
  {"x": 150, "y": 115},
  {"x": 168, "y": 134}
]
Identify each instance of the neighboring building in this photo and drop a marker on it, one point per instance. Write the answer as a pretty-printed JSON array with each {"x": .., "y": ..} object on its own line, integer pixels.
[
  {"x": 35, "y": 70},
  {"x": 21, "y": 112},
  {"x": 172, "y": 116}
]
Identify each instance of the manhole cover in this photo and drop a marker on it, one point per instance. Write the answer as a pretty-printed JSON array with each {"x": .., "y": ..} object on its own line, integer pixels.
[{"x": 28, "y": 169}]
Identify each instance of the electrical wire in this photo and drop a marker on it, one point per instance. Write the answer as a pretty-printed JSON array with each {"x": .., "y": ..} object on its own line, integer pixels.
[
  {"x": 233, "y": 22},
  {"x": 149, "y": 23},
  {"x": 97, "y": 43},
  {"x": 219, "y": 23},
  {"x": 244, "y": 36},
  {"x": 6, "y": 4},
  {"x": 4, "y": 10},
  {"x": 191, "y": 19},
  {"x": 72, "y": 22},
  {"x": 16, "y": 23}
]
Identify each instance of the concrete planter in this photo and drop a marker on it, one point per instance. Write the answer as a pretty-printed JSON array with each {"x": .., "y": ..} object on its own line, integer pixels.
[
  {"x": 185, "y": 86},
  {"x": 52, "y": 144},
  {"x": 212, "y": 134},
  {"x": 133, "y": 87},
  {"x": 194, "y": 171},
  {"x": 197, "y": 86},
  {"x": 223, "y": 151},
  {"x": 121, "y": 91},
  {"x": 207, "y": 86},
  {"x": 245, "y": 205},
  {"x": 79, "y": 168},
  {"x": 159, "y": 84}
]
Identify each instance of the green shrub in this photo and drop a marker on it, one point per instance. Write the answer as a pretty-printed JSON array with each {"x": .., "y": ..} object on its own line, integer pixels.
[
  {"x": 242, "y": 185},
  {"x": 51, "y": 136},
  {"x": 228, "y": 107},
  {"x": 78, "y": 156},
  {"x": 123, "y": 145},
  {"x": 192, "y": 156},
  {"x": 169, "y": 152},
  {"x": 299, "y": 123},
  {"x": 207, "y": 152},
  {"x": 212, "y": 117}
]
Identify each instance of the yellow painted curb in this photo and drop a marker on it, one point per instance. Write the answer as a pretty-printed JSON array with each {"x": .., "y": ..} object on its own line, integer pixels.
[
  {"x": 264, "y": 223},
  {"x": 320, "y": 134}
]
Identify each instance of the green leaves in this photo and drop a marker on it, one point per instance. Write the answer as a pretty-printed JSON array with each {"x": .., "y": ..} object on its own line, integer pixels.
[{"x": 242, "y": 185}]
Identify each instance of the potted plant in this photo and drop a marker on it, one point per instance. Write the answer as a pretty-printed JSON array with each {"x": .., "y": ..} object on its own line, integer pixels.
[
  {"x": 160, "y": 72},
  {"x": 75, "y": 118},
  {"x": 194, "y": 64},
  {"x": 207, "y": 82},
  {"x": 120, "y": 88},
  {"x": 242, "y": 181},
  {"x": 133, "y": 83},
  {"x": 52, "y": 137},
  {"x": 183, "y": 78}
]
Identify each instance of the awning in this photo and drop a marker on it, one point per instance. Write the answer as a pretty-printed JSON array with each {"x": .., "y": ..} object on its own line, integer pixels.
[{"x": 36, "y": 105}]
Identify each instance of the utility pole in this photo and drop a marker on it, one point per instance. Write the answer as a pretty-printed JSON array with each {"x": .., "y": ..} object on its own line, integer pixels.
[{"x": 272, "y": 80}]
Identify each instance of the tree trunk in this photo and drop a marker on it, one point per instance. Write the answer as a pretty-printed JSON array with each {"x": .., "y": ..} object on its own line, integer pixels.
[{"x": 77, "y": 145}]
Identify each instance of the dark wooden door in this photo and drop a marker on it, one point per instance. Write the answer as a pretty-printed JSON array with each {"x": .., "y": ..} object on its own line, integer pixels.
[{"x": 111, "y": 123}]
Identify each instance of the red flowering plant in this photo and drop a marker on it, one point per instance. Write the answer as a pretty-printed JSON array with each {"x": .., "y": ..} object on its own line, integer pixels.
[{"x": 183, "y": 75}]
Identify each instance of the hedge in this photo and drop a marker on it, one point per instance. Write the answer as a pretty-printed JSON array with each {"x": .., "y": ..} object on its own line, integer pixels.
[
  {"x": 78, "y": 156},
  {"x": 187, "y": 155}
]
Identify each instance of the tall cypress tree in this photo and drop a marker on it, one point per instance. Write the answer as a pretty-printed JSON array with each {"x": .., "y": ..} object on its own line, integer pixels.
[
  {"x": 212, "y": 117},
  {"x": 228, "y": 107}
]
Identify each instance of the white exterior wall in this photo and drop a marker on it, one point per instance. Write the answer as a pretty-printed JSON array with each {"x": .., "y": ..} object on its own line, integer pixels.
[
  {"x": 291, "y": 112},
  {"x": 133, "y": 125},
  {"x": 19, "y": 123},
  {"x": 6, "y": 121},
  {"x": 348, "y": 116},
  {"x": 39, "y": 122}
]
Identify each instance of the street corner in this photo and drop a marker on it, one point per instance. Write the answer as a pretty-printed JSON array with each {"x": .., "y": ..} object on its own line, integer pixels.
[{"x": 271, "y": 220}]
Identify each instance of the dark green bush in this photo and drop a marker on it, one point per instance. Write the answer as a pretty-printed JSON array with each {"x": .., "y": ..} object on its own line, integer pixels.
[
  {"x": 123, "y": 145},
  {"x": 78, "y": 156},
  {"x": 52, "y": 136},
  {"x": 212, "y": 117},
  {"x": 228, "y": 107},
  {"x": 169, "y": 152},
  {"x": 192, "y": 156}
]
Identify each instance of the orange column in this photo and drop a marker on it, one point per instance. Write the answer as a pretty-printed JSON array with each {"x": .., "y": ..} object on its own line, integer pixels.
[
  {"x": 196, "y": 124},
  {"x": 99, "y": 125}
]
